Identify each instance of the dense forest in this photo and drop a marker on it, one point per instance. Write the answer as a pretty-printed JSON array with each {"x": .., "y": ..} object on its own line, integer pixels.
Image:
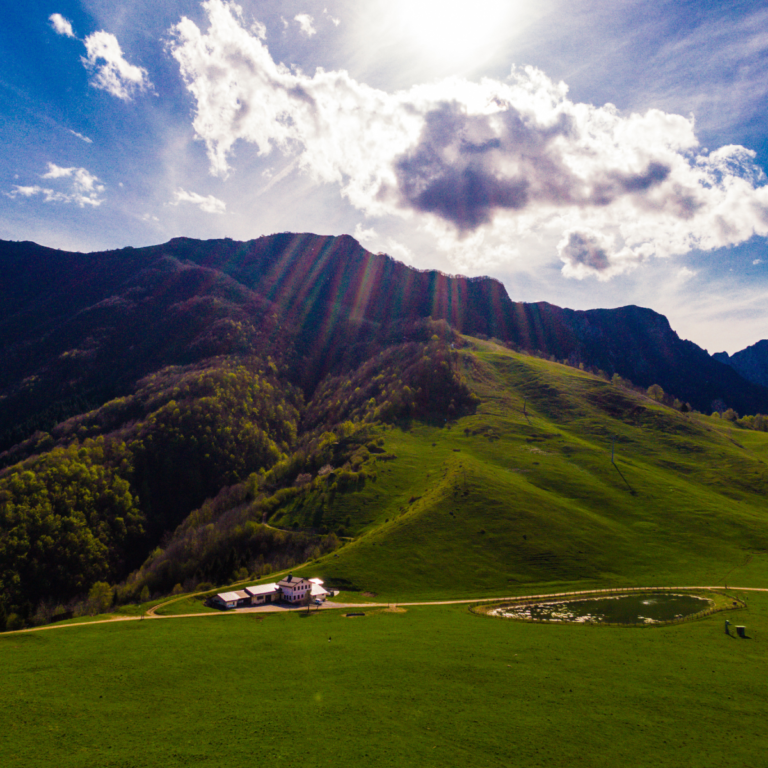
[{"x": 207, "y": 451}]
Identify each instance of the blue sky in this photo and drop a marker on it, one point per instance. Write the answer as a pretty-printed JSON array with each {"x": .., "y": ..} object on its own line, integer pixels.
[{"x": 590, "y": 154}]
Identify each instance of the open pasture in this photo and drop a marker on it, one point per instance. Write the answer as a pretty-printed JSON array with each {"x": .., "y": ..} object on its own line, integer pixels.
[{"x": 431, "y": 686}]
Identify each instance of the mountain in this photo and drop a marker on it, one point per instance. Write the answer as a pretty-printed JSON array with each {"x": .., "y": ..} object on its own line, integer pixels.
[
  {"x": 80, "y": 329},
  {"x": 751, "y": 363},
  {"x": 196, "y": 410}
]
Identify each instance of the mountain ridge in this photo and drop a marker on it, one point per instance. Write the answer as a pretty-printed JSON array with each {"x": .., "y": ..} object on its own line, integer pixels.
[
  {"x": 751, "y": 363},
  {"x": 90, "y": 325}
]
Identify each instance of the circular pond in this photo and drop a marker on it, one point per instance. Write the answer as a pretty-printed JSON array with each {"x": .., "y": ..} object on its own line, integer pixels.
[{"x": 652, "y": 608}]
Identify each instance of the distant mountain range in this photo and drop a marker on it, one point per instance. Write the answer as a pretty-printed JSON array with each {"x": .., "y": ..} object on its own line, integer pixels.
[
  {"x": 79, "y": 329},
  {"x": 751, "y": 363}
]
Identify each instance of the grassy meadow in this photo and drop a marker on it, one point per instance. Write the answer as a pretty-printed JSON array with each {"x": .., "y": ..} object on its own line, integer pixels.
[
  {"x": 523, "y": 496},
  {"x": 431, "y": 686}
]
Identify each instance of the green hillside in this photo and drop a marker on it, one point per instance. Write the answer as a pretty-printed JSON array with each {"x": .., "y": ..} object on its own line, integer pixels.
[
  {"x": 524, "y": 493},
  {"x": 440, "y": 467}
]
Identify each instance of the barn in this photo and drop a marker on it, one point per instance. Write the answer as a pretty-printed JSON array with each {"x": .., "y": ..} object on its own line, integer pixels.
[{"x": 263, "y": 593}]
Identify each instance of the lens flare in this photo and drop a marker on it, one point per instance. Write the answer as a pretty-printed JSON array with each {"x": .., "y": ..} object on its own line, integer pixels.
[{"x": 458, "y": 31}]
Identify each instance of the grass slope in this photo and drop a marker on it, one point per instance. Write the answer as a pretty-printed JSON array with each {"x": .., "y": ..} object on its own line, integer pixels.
[
  {"x": 523, "y": 493},
  {"x": 432, "y": 686}
]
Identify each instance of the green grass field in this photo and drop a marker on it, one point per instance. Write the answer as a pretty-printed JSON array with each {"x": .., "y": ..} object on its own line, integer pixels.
[
  {"x": 434, "y": 686},
  {"x": 523, "y": 496}
]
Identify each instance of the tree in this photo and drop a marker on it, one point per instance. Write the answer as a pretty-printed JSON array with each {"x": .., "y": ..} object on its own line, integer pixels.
[
  {"x": 655, "y": 392},
  {"x": 99, "y": 598},
  {"x": 308, "y": 599}
]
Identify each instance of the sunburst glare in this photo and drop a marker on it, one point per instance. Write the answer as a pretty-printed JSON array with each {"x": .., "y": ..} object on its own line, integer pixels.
[{"x": 457, "y": 31}]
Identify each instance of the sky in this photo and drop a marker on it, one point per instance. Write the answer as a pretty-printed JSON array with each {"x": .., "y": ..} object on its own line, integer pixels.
[{"x": 588, "y": 154}]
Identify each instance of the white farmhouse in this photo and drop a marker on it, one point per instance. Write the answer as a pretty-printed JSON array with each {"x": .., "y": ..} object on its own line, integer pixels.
[{"x": 294, "y": 588}]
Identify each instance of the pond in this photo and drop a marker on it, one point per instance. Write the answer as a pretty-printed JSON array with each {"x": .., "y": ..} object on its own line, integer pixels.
[{"x": 649, "y": 608}]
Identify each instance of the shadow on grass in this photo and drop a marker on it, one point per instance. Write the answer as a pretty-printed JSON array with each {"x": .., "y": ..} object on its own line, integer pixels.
[{"x": 631, "y": 489}]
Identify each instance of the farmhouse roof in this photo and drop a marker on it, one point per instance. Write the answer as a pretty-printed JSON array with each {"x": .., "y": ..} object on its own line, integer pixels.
[
  {"x": 261, "y": 589},
  {"x": 291, "y": 581},
  {"x": 228, "y": 597}
]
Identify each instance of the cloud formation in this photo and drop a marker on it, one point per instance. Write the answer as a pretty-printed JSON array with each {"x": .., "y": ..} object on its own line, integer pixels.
[
  {"x": 81, "y": 136},
  {"x": 61, "y": 25},
  {"x": 512, "y": 157},
  {"x": 104, "y": 59},
  {"x": 306, "y": 22},
  {"x": 111, "y": 72},
  {"x": 83, "y": 188},
  {"x": 209, "y": 204},
  {"x": 332, "y": 19}
]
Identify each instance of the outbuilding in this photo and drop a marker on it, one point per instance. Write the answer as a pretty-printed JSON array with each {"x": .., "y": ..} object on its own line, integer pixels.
[
  {"x": 226, "y": 599},
  {"x": 263, "y": 593},
  {"x": 319, "y": 592}
]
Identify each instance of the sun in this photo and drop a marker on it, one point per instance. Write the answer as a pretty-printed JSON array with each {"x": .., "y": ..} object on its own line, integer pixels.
[{"x": 461, "y": 31}]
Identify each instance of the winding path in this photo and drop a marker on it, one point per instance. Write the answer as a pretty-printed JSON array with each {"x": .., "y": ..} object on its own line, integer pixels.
[{"x": 151, "y": 613}]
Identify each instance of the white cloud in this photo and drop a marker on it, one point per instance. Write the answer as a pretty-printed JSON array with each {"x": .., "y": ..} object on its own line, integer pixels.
[
  {"x": 399, "y": 251},
  {"x": 57, "y": 172},
  {"x": 755, "y": 262},
  {"x": 275, "y": 178},
  {"x": 370, "y": 238},
  {"x": 111, "y": 72},
  {"x": 86, "y": 187},
  {"x": 28, "y": 191},
  {"x": 363, "y": 235},
  {"x": 306, "y": 22},
  {"x": 61, "y": 25},
  {"x": 209, "y": 204},
  {"x": 80, "y": 136},
  {"x": 83, "y": 189},
  {"x": 335, "y": 21},
  {"x": 478, "y": 162}
]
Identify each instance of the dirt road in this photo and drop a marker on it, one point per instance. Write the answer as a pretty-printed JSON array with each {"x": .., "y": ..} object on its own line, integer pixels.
[{"x": 152, "y": 615}]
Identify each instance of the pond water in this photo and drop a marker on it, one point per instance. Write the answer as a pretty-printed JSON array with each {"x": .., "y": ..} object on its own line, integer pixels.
[{"x": 613, "y": 609}]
